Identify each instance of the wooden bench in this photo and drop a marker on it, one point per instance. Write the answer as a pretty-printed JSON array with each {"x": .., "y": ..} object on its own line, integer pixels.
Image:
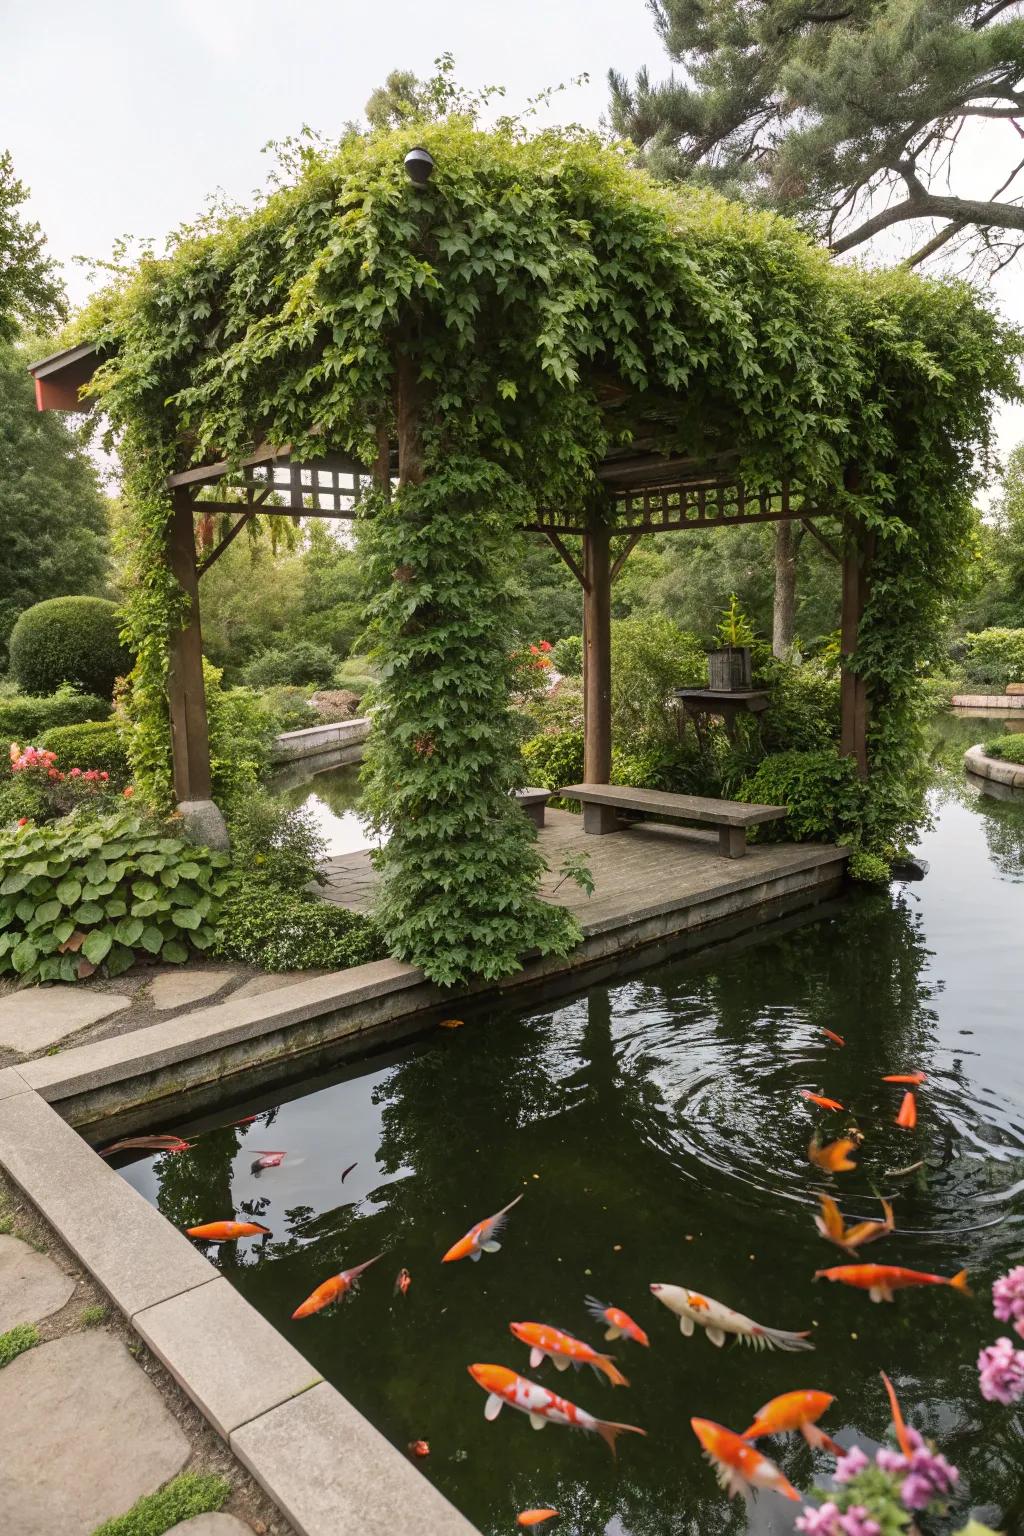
[
  {"x": 533, "y": 800},
  {"x": 602, "y": 802}
]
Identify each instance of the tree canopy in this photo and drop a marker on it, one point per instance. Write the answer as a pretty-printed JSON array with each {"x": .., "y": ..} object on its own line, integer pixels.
[
  {"x": 52, "y": 513},
  {"x": 31, "y": 292},
  {"x": 531, "y": 282},
  {"x": 847, "y": 114}
]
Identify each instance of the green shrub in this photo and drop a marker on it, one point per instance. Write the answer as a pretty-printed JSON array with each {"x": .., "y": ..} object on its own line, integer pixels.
[
  {"x": 670, "y": 766},
  {"x": 821, "y": 789},
  {"x": 24, "y": 718},
  {"x": 995, "y": 657},
  {"x": 939, "y": 692},
  {"x": 85, "y": 893},
  {"x": 804, "y": 711},
  {"x": 242, "y": 730},
  {"x": 302, "y": 662},
  {"x": 16, "y": 1340},
  {"x": 567, "y": 656},
  {"x": 278, "y": 930},
  {"x": 554, "y": 759},
  {"x": 285, "y": 847},
  {"x": 357, "y": 673},
  {"x": 69, "y": 640},
  {"x": 1009, "y": 748},
  {"x": 23, "y": 797},
  {"x": 651, "y": 656},
  {"x": 289, "y": 706},
  {"x": 96, "y": 744},
  {"x": 188, "y": 1495}
]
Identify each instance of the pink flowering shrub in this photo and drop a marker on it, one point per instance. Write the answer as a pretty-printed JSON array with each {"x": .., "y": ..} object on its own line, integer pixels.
[{"x": 44, "y": 792}]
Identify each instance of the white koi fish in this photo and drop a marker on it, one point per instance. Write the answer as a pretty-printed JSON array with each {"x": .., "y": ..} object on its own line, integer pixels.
[
  {"x": 717, "y": 1320},
  {"x": 543, "y": 1407}
]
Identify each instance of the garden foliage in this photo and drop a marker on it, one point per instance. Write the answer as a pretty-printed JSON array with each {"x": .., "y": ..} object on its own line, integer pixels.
[
  {"x": 87, "y": 892},
  {"x": 1009, "y": 748},
  {"x": 995, "y": 657},
  {"x": 96, "y": 744},
  {"x": 69, "y": 640},
  {"x": 508, "y": 291},
  {"x": 23, "y": 718}
]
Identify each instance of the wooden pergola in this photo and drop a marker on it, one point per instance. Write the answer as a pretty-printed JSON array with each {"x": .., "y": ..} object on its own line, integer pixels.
[{"x": 644, "y": 492}]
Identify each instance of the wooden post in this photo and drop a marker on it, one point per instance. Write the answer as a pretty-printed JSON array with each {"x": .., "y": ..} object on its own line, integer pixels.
[
  {"x": 597, "y": 655},
  {"x": 853, "y": 688},
  {"x": 190, "y": 742}
]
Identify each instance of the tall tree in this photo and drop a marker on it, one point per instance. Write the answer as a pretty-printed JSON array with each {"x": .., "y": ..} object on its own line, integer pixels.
[
  {"x": 31, "y": 292},
  {"x": 52, "y": 514},
  {"x": 848, "y": 114}
]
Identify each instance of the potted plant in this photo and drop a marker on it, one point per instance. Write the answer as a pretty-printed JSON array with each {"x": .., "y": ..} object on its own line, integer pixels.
[{"x": 729, "y": 667}]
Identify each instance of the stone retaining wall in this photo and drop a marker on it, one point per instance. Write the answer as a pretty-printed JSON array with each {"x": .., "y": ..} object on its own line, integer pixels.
[
  {"x": 988, "y": 701},
  {"x": 316, "y": 740},
  {"x": 977, "y": 762}
]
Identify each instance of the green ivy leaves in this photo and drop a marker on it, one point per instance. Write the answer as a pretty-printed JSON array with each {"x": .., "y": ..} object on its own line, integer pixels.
[{"x": 105, "y": 906}]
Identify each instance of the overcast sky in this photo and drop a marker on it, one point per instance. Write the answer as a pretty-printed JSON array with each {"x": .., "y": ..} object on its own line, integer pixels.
[{"x": 123, "y": 115}]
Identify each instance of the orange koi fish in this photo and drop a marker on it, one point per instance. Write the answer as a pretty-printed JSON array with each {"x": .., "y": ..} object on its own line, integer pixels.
[
  {"x": 481, "y": 1238},
  {"x": 915, "y": 1078},
  {"x": 419, "y": 1448},
  {"x": 907, "y": 1117},
  {"x": 146, "y": 1144},
  {"x": 620, "y": 1324},
  {"x": 903, "y": 1440},
  {"x": 334, "y": 1289},
  {"x": 834, "y": 1158},
  {"x": 832, "y": 1226},
  {"x": 739, "y": 1465},
  {"x": 795, "y": 1411},
  {"x": 451, "y": 1023},
  {"x": 403, "y": 1280},
  {"x": 830, "y": 1034},
  {"x": 228, "y": 1231},
  {"x": 543, "y": 1407},
  {"x": 819, "y": 1099},
  {"x": 536, "y": 1516},
  {"x": 563, "y": 1350},
  {"x": 880, "y": 1280}
]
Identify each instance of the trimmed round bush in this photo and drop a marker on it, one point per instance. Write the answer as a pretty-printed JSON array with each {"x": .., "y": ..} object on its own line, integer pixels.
[
  {"x": 1010, "y": 749},
  {"x": 303, "y": 662},
  {"x": 94, "y": 745},
  {"x": 69, "y": 640}
]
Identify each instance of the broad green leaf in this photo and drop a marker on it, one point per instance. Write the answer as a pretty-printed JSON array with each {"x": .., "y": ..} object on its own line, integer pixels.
[
  {"x": 115, "y": 907},
  {"x": 16, "y": 881},
  {"x": 24, "y": 956},
  {"x": 48, "y": 912},
  {"x": 129, "y": 930},
  {"x": 188, "y": 871},
  {"x": 186, "y": 917},
  {"x": 151, "y": 938},
  {"x": 26, "y": 909},
  {"x": 95, "y": 871},
  {"x": 69, "y": 891},
  {"x": 175, "y": 952},
  {"x": 119, "y": 960},
  {"x": 143, "y": 908},
  {"x": 144, "y": 890},
  {"x": 97, "y": 945},
  {"x": 89, "y": 912},
  {"x": 63, "y": 930},
  {"x": 151, "y": 863}
]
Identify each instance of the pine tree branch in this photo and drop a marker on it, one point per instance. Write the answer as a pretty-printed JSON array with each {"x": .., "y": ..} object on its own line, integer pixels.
[
  {"x": 990, "y": 15},
  {"x": 934, "y": 244},
  {"x": 927, "y": 205}
]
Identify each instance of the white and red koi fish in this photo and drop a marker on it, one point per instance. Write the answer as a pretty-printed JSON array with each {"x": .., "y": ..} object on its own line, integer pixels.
[
  {"x": 563, "y": 1350},
  {"x": 738, "y": 1464},
  {"x": 481, "y": 1238},
  {"x": 717, "y": 1320},
  {"x": 543, "y": 1407},
  {"x": 334, "y": 1289},
  {"x": 619, "y": 1324}
]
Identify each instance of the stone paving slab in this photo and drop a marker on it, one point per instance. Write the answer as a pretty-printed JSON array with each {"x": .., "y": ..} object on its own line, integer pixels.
[
  {"x": 134, "y": 1253},
  {"x": 31, "y": 1285},
  {"x": 11, "y": 1082},
  {"x": 332, "y": 1474},
  {"x": 85, "y": 1434},
  {"x": 38, "y": 1017},
  {"x": 177, "y": 989},
  {"x": 272, "y": 983},
  {"x": 228, "y": 1358},
  {"x": 211, "y": 1525}
]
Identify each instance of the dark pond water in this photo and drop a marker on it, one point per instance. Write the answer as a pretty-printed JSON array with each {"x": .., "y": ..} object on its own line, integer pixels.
[{"x": 656, "y": 1132}]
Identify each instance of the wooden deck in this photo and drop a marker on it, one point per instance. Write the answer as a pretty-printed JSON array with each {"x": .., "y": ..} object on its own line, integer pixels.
[{"x": 653, "y": 882}]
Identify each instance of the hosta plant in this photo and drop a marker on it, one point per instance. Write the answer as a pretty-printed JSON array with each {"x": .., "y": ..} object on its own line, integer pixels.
[{"x": 81, "y": 894}]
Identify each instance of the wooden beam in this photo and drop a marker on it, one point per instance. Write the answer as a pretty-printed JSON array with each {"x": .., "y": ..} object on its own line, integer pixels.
[
  {"x": 625, "y": 552},
  {"x": 569, "y": 559},
  {"x": 190, "y": 742},
  {"x": 232, "y": 533},
  {"x": 597, "y": 655},
  {"x": 682, "y": 525},
  {"x": 825, "y": 543}
]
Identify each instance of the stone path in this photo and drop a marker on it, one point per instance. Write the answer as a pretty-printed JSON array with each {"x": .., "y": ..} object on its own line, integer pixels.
[
  {"x": 85, "y": 1435},
  {"x": 31, "y": 1285},
  {"x": 40, "y": 1016},
  {"x": 211, "y": 1525}
]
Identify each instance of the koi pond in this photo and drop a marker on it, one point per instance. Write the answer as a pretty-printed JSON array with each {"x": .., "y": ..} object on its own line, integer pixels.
[{"x": 655, "y": 1130}]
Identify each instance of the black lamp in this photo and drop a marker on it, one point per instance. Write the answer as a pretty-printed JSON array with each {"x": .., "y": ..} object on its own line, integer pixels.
[{"x": 419, "y": 166}]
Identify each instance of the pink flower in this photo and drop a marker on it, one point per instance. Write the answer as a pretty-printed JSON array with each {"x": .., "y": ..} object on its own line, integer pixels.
[
  {"x": 857, "y": 1522},
  {"x": 819, "y": 1522},
  {"x": 1008, "y": 1299},
  {"x": 128, "y": 791},
  {"x": 75, "y": 772},
  {"x": 545, "y": 645},
  {"x": 22, "y": 821},
  {"x": 104, "y": 777},
  {"x": 1001, "y": 1373},
  {"x": 850, "y": 1463}
]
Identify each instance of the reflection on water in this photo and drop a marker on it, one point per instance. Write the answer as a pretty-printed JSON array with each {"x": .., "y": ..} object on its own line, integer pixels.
[
  {"x": 656, "y": 1128},
  {"x": 332, "y": 798}
]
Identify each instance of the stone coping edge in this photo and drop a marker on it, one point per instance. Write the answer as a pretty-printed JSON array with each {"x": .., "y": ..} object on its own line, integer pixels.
[
  {"x": 314, "y": 1454},
  {"x": 999, "y": 701},
  {"x": 977, "y": 761}
]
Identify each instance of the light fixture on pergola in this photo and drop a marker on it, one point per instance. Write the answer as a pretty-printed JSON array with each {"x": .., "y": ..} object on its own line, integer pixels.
[{"x": 644, "y": 492}]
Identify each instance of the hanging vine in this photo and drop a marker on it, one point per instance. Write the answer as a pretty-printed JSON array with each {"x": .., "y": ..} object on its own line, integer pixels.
[{"x": 547, "y": 300}]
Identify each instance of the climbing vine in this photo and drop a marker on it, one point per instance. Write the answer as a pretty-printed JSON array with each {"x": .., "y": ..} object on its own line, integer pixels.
[{"x": 546, "y": 302}]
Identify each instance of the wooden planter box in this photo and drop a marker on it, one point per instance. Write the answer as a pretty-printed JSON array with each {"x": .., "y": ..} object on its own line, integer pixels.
[{"x": 729, "y": 669}]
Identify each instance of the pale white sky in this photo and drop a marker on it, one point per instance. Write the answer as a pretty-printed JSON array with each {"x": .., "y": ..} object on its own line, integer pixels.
[{"x": 123, "y": 115}]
